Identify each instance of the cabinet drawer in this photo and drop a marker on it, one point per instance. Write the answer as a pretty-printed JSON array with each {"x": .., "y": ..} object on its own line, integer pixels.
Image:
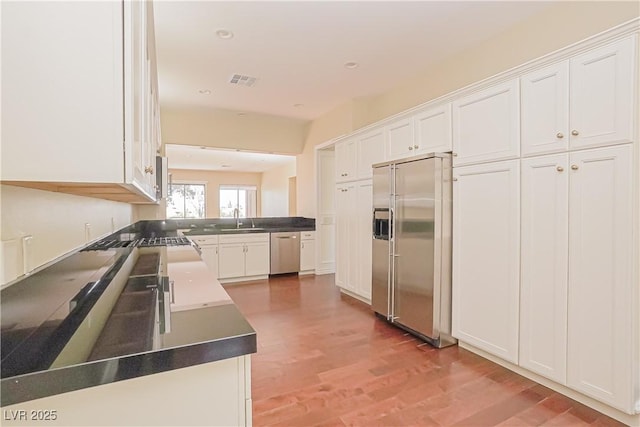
[
  {"x": 244, "y": 238},
  {"x": 307, "y": 235},
  {"x": 205, "y": 240}
]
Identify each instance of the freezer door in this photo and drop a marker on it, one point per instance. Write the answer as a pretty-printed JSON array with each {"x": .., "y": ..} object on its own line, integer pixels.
[
  {"x": 415, "y": 215},
  {"x": 380, "y": 293}
]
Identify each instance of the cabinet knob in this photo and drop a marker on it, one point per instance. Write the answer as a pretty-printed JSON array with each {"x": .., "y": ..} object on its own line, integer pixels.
[
  {"x": 410, "y": 148},
  {"x": 559, "y": 135},
  {"x": 455, "y": 179},
  {"x": 575, "y": 132},
  {"x": 560, "y": 169},
  {"x": 148, "y": 169},
  {"x": 415, "y": 146},
  {"x": 574, "y": 167},
  {"x": 454, "y": 154}
]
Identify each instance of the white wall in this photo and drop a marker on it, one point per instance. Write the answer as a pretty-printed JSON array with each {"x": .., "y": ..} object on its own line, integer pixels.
[
  {"x": 55, "y": 220},
  {"x": 275, "y": 189}
]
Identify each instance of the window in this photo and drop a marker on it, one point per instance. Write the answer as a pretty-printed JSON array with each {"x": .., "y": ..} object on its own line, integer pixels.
[
  {"x": 240, "y": 197},
  {"x": 186, "y": 201}
]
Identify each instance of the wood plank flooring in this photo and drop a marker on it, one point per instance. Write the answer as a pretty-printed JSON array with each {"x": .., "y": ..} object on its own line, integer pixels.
[{"x": 324, "y": 359}]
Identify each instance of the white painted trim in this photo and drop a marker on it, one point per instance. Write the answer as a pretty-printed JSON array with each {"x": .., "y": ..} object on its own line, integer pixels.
[
  {"x": 237, "y": 280},
  {"x": 631, "y": 420}
]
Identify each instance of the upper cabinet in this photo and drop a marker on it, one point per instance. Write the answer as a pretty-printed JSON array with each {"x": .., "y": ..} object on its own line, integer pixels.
[
  {"x": 400, "y": 138},
  {"x": 346, "y": 160},
  {"x": 602, "y": 95},
  {"x": 583, "y": 102},
  {"x": 486, "y": 125},
  {"x": 370, "y": 150},
  {"x": 79, "y": 103},
  {"x": 432, "y": 130},
  {"x": 545, "y": 110}
]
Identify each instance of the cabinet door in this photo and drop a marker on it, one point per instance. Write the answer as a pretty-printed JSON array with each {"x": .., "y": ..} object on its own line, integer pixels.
[
  {"x": 602, "y": 95},
  {"x": 601, "y": 324},
  {"x": 364, "y": 236},
  {"x": 486, "y": 125},
  {"x": 346, "y": 249},
  {"x": 543, "y": 289},
  {"x": 370, "y": 151},
  {"x": 257, "y": 259},
  {"x": 231, "y": 260},
  {"x": 400, "y": 139},
  {"x": 345, "y": 160},
  {"x": 307, "y": 255},
  {"x": 433, "y": 130},
  {"x": 62, "y": 102},
  {"x": 210, "y": 257},
  {"x": 545, "y": 110},
  {"x": 486, "y": 274}
]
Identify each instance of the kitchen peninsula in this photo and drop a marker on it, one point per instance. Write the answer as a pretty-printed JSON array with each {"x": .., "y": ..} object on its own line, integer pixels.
[{"x": 103, "y": 336}]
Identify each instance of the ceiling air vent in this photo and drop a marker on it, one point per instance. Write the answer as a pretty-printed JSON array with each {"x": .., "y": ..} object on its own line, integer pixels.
[{"x": 241, "y": 80}]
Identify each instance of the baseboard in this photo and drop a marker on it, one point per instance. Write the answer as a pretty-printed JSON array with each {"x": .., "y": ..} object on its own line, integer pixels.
[
  {"x": 631, "y": 420},
  {"x": 356, "y": 296},
  {"x": 242, "y": 279}
]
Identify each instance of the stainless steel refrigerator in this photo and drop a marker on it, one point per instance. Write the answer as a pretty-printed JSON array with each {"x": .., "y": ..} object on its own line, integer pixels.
[{"x": 411, "y": 278}]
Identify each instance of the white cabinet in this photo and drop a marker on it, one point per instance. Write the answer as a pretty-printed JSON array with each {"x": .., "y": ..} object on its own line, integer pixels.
[
  {"x": 544, "y": 252},
  {"x": 242, "y": 256},
  {"x": 576, "y": 314},
  {"x": 209, "y": 251},
  {"x": 400, "y": 138},
  {"x": 486, "y": 274},
  {"x": 345, "y": 243},
  {"x": 602, "y": 95},
  {"x": 486, "y": 125},
  {"x": 583, "y": 102},
  {"x": 346, "y": 167},
  {"x": 363, "y": 237},
  {"x": 545, "y": 110},
  {"x": 307, "y": 251},
  {"x": 432, "y": 131},
  {"x": 601, "y": 323},
  {"x": 102, "y": 66},
  {"x": 370, "y": 150},
  {"x": 353, "y": 238}
]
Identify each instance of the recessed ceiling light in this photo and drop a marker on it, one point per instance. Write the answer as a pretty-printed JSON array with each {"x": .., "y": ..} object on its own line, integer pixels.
[
  {"x": 204, "y": 92},
  {"x": 298, "y": 105},
  {"x": 224, "y": 34},
  {"x": 351, "y": 65},
  {"x": 225, "y": 166}
]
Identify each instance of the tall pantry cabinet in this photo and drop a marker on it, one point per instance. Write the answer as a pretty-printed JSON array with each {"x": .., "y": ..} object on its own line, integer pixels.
[
  {"x": 91, "y": 124},
  {"x": 543, "y": 258}
]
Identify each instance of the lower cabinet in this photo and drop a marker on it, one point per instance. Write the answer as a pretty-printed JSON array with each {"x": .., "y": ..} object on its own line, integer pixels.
[
  {"x": 353, "y": 237},
  {"x": 208, "y": 251},
  {"x": 307, "y": 251},
  {"x": 563, "y": 304},
  {"x": 243, "y": 255},
  {"x": 486, "y": 254}
]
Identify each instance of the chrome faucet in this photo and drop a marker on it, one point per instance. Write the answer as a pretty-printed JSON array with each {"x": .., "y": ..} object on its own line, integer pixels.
[{"x": 236, "y": 215}]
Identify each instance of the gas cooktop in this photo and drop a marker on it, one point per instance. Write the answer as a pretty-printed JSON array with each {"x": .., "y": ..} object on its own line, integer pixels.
[{"x": 145, "y": 242}]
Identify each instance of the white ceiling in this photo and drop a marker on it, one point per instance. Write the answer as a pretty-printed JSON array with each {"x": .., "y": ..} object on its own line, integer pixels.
[
  {"x": 190, "y": 157},
  {"x": 297, "y": 49}
]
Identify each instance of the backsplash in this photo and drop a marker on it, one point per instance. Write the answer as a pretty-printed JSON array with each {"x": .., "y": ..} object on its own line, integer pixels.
[{"x": 39, "y": 226}]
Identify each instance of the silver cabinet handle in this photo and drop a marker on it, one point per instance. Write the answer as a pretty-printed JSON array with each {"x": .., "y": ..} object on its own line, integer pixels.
[
  {"x": 172, "y": 291},
  {"x": 415, "y": 146},
  {"x": 454, "y": 154},
  {"x": 302, "y": 245},
  {"x": 410, "y": 148},
  {"x": 574, "y": 167},
  {"x": 574, "y": 132},
  {"x": 560, "y": 169},
  {"x": 455, "y": 179},
  {"x": 559, "y": 135}
]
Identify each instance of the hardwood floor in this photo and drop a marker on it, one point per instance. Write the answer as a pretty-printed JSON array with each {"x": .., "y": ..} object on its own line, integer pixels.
[{"x": 324, "y": 359}]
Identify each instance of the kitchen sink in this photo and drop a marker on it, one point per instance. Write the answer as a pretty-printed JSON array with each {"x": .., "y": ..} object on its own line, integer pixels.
[{"x": 231, "y": 230}]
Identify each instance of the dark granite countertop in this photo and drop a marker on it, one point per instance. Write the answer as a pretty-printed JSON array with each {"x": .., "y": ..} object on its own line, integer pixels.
[{"x": 42, "y": 313}]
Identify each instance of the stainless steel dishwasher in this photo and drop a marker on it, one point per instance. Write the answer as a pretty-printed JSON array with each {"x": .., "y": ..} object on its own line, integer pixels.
[{"x": 285, "y": 252}]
